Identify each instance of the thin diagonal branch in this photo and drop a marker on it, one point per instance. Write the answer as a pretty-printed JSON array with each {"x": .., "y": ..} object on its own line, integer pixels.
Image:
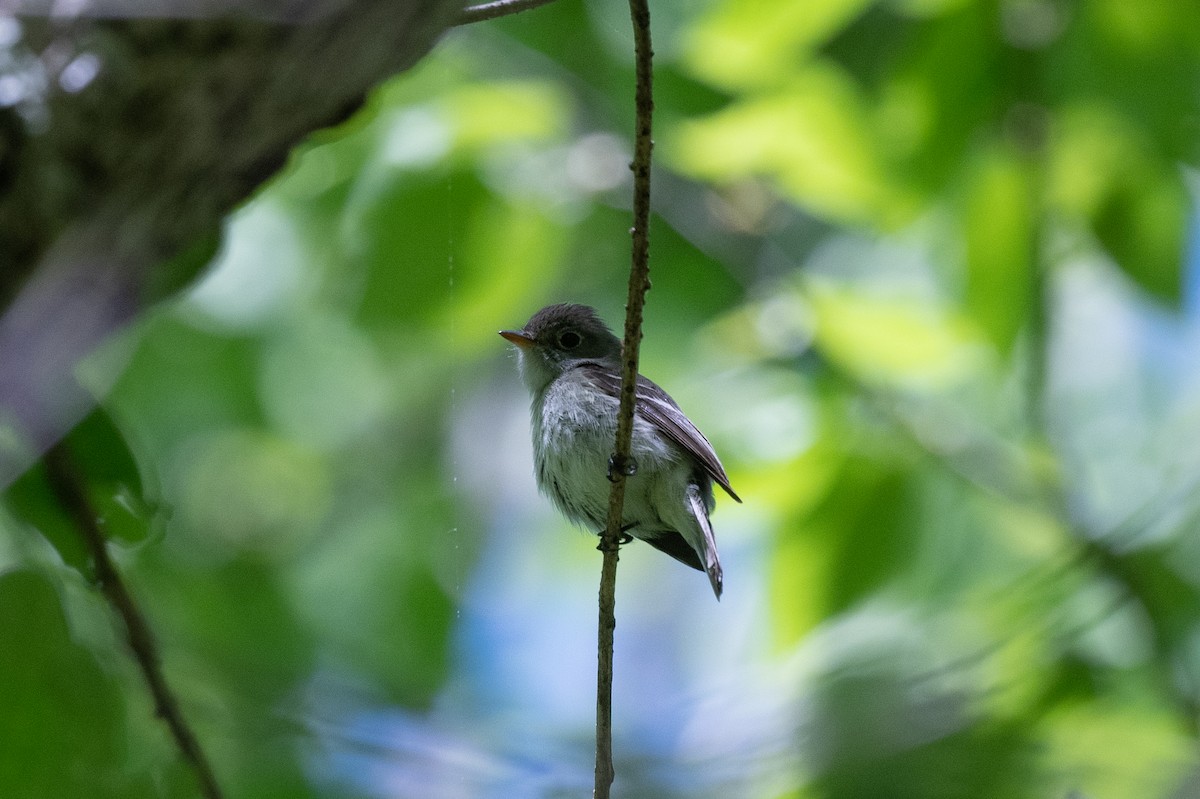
[
  {"x": 67, "y": 485},
  {"x": 497, "y": 9},
  {"x": 622, "y": 462}
]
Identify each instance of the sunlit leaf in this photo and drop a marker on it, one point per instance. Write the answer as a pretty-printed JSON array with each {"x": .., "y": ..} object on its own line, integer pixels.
[
  {"x": 485, "y": 114},
  {"x": 894, "y": 341},
  {"x": 493, "y": 297},
  {"x": 1118, "y": 747},
  {"x": 254, "y": 491},
  {"x": 1000, "y": 229},
  {"x": 752, "y": 42},
  {"x": 809, "y": 136}
]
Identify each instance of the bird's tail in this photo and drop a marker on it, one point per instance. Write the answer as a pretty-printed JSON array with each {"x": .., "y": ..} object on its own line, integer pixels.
[{"x": 707, "y": 546}]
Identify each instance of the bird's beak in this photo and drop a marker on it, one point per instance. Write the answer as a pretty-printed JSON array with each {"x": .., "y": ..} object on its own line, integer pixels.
[{"x": 518, "y": 337}]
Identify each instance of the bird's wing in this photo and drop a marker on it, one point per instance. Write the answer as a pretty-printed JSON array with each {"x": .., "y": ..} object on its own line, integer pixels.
[{"x": 656, "y": 407}]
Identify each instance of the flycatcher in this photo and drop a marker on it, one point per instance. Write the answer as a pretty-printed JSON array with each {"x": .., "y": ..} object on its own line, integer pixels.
[{"x": 571, "y": 362}]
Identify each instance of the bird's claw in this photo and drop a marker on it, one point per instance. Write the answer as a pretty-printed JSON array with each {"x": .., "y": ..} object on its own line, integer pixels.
[
  {"x": 604, "y": 546},
  {"x": 624, "y": 466},
  {"x": 623, "y": 538}
]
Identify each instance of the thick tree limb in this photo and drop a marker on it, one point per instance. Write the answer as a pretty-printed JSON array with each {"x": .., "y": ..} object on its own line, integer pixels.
[
  {"x": 639, "y": 284},
  {"x": 131, "y": 140}
]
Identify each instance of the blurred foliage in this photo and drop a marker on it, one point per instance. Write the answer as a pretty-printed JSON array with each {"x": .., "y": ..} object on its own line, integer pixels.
[{"x": 921, "y": 271}]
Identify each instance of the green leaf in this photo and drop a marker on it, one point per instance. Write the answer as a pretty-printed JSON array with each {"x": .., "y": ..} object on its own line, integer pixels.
[
  {"x": 62, "y": 730},
  {"x": 126, "y": 510},
  {"x": 1143, "y": 225},
  {"x": 809, "y": 136},
  {"x": 173, "y": 276},
  {"x": 381, "y": 570},
  {"x": 894, "y": 721},
  {"x": 1104, "y": 171},
  {"x": 751, "y": 42},
  {"x": 401, "y": 233},
  {"x": 32, "y": 500},
  {"x": 112, "y": 484},
  {"x": 870, "y": 515},
  {"x": 852, "y": 542},
  {"x": 936, "y": 89},
  {"x": 894, "y": 341},
  {"x": 999, "y": 223}
]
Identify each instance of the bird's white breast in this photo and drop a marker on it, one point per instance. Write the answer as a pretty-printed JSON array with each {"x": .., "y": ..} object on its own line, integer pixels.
[{"x": 574, "y": 430}]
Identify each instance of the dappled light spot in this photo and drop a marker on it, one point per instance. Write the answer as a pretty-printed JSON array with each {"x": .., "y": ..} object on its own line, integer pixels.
[{"x": 254, "y": 491}]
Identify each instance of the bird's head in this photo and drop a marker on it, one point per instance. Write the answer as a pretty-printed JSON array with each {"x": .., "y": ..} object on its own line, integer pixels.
[{"x": 559, "y": 335}]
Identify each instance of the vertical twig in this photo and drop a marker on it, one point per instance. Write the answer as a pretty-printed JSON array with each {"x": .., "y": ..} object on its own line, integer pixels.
[
  {"x": 67, "y": 485},
  {"x": 639, "y": 283}
]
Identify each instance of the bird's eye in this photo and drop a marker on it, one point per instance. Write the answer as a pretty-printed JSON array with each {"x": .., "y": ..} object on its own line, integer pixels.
[{"x": 569, "y": 339}]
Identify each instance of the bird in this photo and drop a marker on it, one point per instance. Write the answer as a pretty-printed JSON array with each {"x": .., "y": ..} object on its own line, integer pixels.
[{"x": 570, "y": 361}]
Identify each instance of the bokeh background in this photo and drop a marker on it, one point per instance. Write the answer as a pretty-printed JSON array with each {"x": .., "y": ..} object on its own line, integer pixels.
[{"x": 922, "y": 271}]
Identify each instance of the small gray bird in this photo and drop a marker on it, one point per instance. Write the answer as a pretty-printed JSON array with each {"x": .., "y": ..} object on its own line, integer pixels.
[{"x": 571, "y": 362}]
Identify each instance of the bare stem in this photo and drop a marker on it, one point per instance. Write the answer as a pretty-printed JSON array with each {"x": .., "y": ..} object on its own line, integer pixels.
[
  {"x": 639, "y": 284},
  {"x": 68, "y": 487}
]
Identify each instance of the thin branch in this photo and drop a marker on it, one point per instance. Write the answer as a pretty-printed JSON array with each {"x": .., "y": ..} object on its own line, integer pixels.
[
  {"x": 497, "y": 9},
  {"x": 68, "y": 487},
  {"x": 622, "y": 461}
]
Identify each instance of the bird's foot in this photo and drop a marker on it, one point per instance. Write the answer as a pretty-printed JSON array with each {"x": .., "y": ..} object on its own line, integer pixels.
[
  {"x": 622, "y": 539},
  {"x": 626, "y": 467}
]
